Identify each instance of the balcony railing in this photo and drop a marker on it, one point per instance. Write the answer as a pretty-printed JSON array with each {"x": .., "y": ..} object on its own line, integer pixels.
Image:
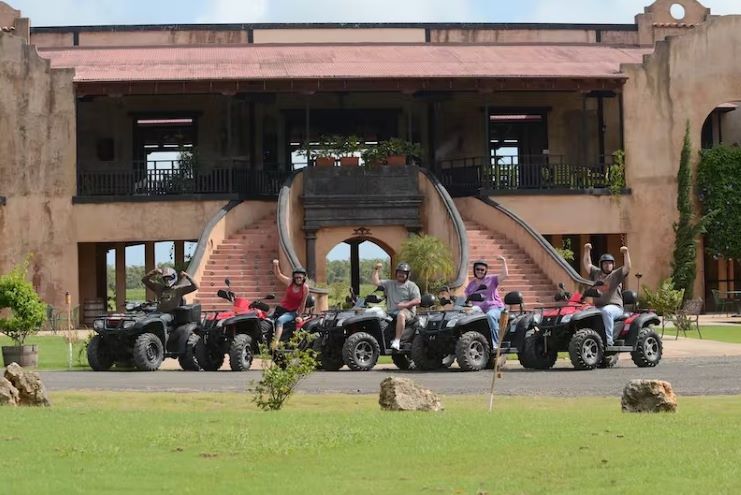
[
  {"x": 156, "y": 179},
  {"x": 523, "y": 173}
]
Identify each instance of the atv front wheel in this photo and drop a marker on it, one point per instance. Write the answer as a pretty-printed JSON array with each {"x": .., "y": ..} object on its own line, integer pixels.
[
  {"x": 361, "y": 351},
  {"x": 99, "y": 356},
  {"x": 648, "y": 349},
  {"x": 403, "y": 361},
  {"x": 208, "y": 359},
  {"x": 240, "y": 353},
  {"x": 423, "y": 356},
  {"x": 188, "y": 359},
  {"x": 148, "y": 352},
  {"x": 586, "y": 349},
  {"x": 536, "y": 354},
  {"x": 472, "y": 351}
]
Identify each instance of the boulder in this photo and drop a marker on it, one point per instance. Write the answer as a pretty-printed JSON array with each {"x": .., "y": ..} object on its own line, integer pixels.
[
  {"x": 31, "y": 391},
  {"x": 402, "y": 394},
  {"x": 8, "y": 393},
  {"x": 649, "y": 396}
]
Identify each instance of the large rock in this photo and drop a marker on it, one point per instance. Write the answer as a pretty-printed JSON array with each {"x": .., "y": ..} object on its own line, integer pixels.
[
  {"x": 31, "y": 391},
  {"x": 8, "y": 393},
  {"x": 402, "y": 394},
  {"x": 648, "y": 396}
]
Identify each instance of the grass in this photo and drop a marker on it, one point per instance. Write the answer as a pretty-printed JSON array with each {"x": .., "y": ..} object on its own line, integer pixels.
[
  {"x": 101, "y": 442},
  {"x": 53, "y": 352},
  {"x": 729, "y": 334}
]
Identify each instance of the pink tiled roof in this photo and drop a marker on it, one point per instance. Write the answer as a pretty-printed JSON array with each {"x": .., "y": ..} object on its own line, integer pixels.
[{"x": 341, "y": 61}]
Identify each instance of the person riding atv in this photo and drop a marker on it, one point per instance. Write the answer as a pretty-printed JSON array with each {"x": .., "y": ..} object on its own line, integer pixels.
[
  {"x": 171, "y": 289},
  {"x": 402, "y": 298},
  {"x": 610, "y": 301}
]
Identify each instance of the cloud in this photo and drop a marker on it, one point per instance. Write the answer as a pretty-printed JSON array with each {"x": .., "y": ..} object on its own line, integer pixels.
[
  {"x": 610, "y": 11},
  {"x": 235, "y": 11}
]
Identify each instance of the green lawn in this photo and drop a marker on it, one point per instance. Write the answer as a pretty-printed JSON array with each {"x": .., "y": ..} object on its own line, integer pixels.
[
  {"x": 218, "y": 443},
  {"x": 53, "y": 352},
  {"x": 730, "y": 334}
]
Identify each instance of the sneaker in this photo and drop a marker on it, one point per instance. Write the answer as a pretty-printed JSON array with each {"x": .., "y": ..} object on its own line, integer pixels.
[{"x": 395, "y": 344}]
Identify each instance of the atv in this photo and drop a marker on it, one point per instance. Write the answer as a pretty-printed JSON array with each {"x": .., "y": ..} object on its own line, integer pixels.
[
  {"x": 462, "y": 332},
  {"x": 144, "y": 337},
  {"x": 576, "y": 327},
  {"x": 238, "y": 332}
]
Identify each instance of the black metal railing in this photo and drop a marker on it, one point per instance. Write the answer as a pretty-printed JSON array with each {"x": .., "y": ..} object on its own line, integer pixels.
[
  {"x": 158, "y": 179},
  {"x": 523, "y": 173}
]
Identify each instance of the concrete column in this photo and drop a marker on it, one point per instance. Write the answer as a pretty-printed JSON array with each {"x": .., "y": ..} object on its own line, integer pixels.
[
  {"x": 149, "y": 265},
  {"x": 180, "y": 255},
  {"x": 722, "y": 275},
  {"x": 355, "y": 266},
  {"x": 120, "y": 276},
  {"x": 310, "y": 236},
  {"x": 101, "y": 268}
]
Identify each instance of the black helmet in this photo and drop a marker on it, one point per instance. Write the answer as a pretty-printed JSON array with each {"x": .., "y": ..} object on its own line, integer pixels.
[
  {"x": 404, "y": 267},
  {"x": 481, "y": 262},
  {"x": 299, "y": 271},
  {"x": 170, "y": 276},
  {"x": 606, "y": 257}
]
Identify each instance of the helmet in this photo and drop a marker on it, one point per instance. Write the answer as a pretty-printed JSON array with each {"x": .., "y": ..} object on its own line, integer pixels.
[
  {"x": 404, "y": 267},
  {"x": 299, "y": 271},
  {"x": 170, "y": 276},
  {"x": 606, "y": 257},
  {"x": 479, "y": 263}
]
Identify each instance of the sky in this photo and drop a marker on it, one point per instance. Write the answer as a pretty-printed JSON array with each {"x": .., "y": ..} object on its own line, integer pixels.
[{"x": 91, "y": 12}]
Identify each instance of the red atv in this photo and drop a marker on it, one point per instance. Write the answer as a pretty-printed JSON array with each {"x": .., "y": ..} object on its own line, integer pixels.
[
  {"x": 576, "y": 327},
  {"x": 237, "y": 332}
]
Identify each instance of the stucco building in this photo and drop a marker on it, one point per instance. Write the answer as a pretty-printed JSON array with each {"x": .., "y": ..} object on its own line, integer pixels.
[{"x": 519, "y": 123}]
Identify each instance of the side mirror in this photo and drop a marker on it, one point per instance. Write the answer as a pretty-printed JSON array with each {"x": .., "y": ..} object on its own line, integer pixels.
[
  {"x": 373, "y": 299},
  {"x": 269, "y": 297},
  {"x": 428, "y": 300},
  {"x": 228, "y": 282},
  {"x": 310, "y": 302},
  {"x": 561, "y": 286},
  {"x": 130, "y": 306},
  {"x": 482, "y": 287},
  {"x": 223, "y": 294},
  {"x": 444, "y": 301},
  {"x": 379, "y": 289},
  {"x": 598, "y": 283},
  {"x": 592, "y": 292},
  {"x": 475, "y": 297}
]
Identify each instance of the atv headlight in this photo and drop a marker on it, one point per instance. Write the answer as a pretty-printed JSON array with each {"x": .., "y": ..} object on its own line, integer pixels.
[
  {"x": 423, "y": 321},
  {"x": 538, "y": 318},
  {"x": 129, "y": 323},
  {"x": 451, "y": 323},
  {"x": 99, "y": 324},
  {"x": 566, "y": 318}
]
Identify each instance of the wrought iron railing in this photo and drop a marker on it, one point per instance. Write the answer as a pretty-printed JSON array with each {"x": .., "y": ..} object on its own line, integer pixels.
[
  {"x": 155, "y": 180},
  {"x": 525, "y": 173}
]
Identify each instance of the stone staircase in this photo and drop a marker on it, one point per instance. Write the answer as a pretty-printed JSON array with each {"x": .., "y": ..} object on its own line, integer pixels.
[
  {"x": 524, "y": 275},
  {"x": 246, "y": 259}
]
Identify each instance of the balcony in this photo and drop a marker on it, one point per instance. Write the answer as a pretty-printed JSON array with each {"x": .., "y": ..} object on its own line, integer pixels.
[
  {"x": 167, "y": 180},
  {"x": 522, "y": 174}
]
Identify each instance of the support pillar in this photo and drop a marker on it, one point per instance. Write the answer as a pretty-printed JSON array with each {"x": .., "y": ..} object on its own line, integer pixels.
[
  {"x": 179, "y": 255},
  {"x": 149, "y": 265},
  {"x": 310, "y": 236},
  {"x": 355, "y": 266},
  {"x": 101, "y": 269},
  {"x": 120, "y": 276}
]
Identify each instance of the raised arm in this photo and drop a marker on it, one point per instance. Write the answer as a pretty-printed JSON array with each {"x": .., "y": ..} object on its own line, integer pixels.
[
  {"x": 276, "y": 270},
  {"x": 149, "y": 283},
  {"x": 375, "y": 278},
  {"x": 504, "y": 274},
  {"x": 626, "y": 260},
  {"x": 193, "y": 285},
  {"x": 587, "y": 260}
]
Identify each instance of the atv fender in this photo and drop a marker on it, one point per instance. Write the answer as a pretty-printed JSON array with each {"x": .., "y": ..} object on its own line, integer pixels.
[
  {"x": 153, "y": 325},
  {"x": 469, "y": 320},
  {"x": 178, "y": 338},
  {"x": 638, "y": 324},
  {"x": 590, "y": 318},
  {"x": 243, "y": 319}
]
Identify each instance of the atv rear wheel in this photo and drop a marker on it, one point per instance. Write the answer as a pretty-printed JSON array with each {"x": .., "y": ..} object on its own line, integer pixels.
[
  {"x": 99, "y": 356},
  {"x": 403, "y": 361},
  {"x": 536, "y": 354},
  {"x": 188, "y": 359},
  {"x": 361, "y": 351},
  {"x": 327, "y": 358},
  {"x": 148, "y": 352},
  {"x": 472, "y": 351},
  {"x": 240, "y": 353},
  {"x": 423, "y": 356},
  {"x": 208, "y": 359},
  {"x": 586, "y": 349},
  {"x": 648, "y": 349}
]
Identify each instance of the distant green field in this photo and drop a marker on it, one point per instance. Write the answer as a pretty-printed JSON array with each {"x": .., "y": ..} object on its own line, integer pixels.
[{"x": 53, "y": 352}]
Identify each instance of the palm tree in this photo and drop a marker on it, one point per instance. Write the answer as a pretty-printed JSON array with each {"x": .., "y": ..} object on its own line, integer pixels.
[{"x": 431, "y": 260}]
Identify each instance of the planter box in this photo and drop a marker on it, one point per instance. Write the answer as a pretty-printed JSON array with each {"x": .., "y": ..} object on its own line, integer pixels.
[
  {"x": 396, "y": 160},
  {"x": 26, "y": 356},
  {"x": 324, "y": 161},
  {"x": 349, "y": 161}
]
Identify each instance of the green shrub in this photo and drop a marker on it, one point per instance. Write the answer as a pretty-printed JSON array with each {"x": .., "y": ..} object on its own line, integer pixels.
[
  {"x": 565, "y": 250},
  {"x": 27, "y": 311},
  {"x": 665, "y": 300},
  {"x": 279, "y": 382},
  {"x": 616, "y": 174},
  {"x": 431, "y": 261}
]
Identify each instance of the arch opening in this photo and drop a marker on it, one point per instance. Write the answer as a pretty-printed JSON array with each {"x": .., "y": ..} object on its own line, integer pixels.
[{"x": 350, "y": 265}]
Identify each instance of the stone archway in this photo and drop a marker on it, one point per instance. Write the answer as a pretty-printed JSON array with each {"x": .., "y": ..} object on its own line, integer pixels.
[{"x": 678, "y": 85}]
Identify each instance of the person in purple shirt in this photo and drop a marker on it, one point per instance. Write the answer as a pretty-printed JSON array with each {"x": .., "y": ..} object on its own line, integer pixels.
[{"x": 492, "y": 304}]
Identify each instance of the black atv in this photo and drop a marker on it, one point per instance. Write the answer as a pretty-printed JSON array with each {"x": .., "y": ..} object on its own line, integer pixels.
[
  {"x": 144, "y": 337},
  {"x": 463, "y": 332},
  {"x": 576, "y": 327}
]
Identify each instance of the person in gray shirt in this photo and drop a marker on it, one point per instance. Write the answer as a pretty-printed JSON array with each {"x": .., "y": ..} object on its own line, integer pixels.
[
  {"x": 402, "y": 298},
  {"x": 610, "y": 301},
  {"x": 171, "y": 289}
]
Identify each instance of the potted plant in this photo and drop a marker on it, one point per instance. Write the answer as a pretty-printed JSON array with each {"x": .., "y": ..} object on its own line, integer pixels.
[
  {"x": 323, "y": 153},
  {"x": 22, "y": 312},
  {"x": 397, "y": 151},
  {"x": 348, "y": 148},
  {"x": 373, "y": 156}
]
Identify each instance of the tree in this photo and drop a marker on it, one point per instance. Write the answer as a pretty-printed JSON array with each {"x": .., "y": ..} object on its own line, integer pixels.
[
  {"x": 718, "y": 186},
  {"x": 686, "y": 229},
  {"x": 27, "y": 311},
  {"x": 431, "y": 260}
]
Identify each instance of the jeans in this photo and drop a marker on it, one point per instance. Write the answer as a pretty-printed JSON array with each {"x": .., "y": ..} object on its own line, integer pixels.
[
  {"x": 493, "y": 316},
  {"x": 609, "y": 313},
  {"x": 286, "y": 317}
]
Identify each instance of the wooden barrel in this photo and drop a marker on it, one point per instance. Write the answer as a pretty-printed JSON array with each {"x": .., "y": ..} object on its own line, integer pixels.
[{"x": 91, "y": 309}]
